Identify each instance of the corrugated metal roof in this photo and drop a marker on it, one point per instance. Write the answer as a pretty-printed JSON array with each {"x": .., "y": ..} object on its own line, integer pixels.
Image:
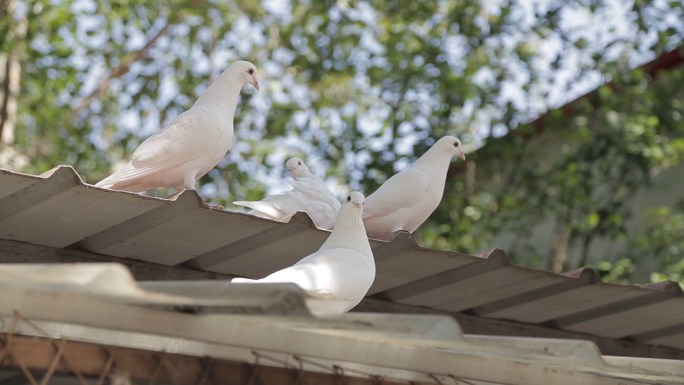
[
  {"x": 57, "y": 209},
  {"x": 101, "y": 303}
]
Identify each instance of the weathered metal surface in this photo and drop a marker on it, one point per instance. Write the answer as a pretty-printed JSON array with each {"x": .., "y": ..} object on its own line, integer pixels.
[
  {"x": 101, "y": 304},
  {"x": 57, "y": 211}
]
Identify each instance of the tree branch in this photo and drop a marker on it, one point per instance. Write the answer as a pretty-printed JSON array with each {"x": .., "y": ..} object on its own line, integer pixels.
[
  {"x": 119, "y": 71},
  {"x": 397, "y": 106},
  {"x": 6, "y": 94},
  {"x": 607, "y": 209},
  {"x": 12, "y": 75}
]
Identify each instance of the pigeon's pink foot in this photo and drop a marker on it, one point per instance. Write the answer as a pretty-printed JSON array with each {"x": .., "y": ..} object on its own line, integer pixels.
[{"x": 212, "y": 207}]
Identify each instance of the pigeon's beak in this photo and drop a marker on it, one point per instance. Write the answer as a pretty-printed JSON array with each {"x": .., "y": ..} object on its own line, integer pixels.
[
  {"x": 254, "y": 82},
  {"x": 358, "y": 204},
  {"x": 461, "y": 155}
]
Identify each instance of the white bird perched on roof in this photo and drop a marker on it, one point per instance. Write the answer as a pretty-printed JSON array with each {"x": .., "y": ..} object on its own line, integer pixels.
[
  {"x": 309, "y": 194},
  {"x": 408, "y": 198},
  {"x": 192, "y": 144},
  {"x": 298, "y": 169},
  {"x": 340, "y": 273}
]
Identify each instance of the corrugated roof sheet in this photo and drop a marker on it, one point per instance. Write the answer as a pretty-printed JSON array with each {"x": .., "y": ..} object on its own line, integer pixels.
[
  {"x": 101, "y": 303},
  {"x": 57, "y": 209}
]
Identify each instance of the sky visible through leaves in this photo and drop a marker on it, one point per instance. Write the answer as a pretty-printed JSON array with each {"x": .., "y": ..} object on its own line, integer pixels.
[
  {"x": 248, "y": 36},
  {"x": 356, "y": 88}
]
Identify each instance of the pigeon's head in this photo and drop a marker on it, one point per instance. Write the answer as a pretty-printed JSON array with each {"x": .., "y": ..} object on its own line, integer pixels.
[
  {"x": 245, "y": 71},
  {"x": 356, "y": 199},
  {"x": 297, "y": 168},
  {"x": 451, "y": 145}
]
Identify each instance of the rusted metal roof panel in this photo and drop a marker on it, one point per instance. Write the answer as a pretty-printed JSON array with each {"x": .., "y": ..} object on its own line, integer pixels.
[{"x": 57, "y": 209}]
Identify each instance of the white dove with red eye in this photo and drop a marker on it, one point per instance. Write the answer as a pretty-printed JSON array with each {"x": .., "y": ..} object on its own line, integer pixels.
[
  {"x": 408, "y": 198},
  {"x": 309, "y": 194},
  {"x": 341, "y": 272},
  {"x": 298, "y": 169},
  {"x": 192, "y": 144}
]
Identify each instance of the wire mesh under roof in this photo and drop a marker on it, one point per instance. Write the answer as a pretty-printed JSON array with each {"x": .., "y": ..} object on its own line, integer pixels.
[
  {"x": 58, "y": 210},
  {"x": 100, "y": 303}
]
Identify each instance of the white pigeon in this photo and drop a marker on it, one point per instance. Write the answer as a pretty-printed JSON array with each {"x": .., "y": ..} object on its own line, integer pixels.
[
  {"x": 408, "y": 198},
  {"x": 340, "y": 273},
  {"x": 309, "y": 194},
  {"x": 192, "y": 144},
  {"x": 298, "y": 169}
]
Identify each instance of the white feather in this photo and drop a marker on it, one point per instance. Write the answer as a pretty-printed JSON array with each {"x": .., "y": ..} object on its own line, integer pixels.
[
  {"x": 192, "y": 144},
  {"x": 340, "y": 273},
  {"x": 309, "y": 194},
  {"x": 408, "y": 198}
]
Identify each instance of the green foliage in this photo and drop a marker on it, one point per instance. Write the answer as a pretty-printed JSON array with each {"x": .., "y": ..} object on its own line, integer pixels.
[
  {"x": 657, "y": 247},
  {"x": 661, "y": 236},
  {"x": 360, "y": 88},
  {"x": 579, "y": 179}
]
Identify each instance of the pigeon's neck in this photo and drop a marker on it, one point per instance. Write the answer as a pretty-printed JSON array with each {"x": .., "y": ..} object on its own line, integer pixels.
[
  {"x": 223, "y": 93},
  {"x": 436, "y": 165},
  {"x": 349, "y": 233},
  {"x": 433, "y": 162},
  {"x": 310, "y": 182}
]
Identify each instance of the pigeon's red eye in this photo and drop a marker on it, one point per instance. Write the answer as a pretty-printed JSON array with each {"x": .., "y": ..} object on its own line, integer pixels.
[
  {"x": 299, "y": 163},
  {"x": 455, "y": 144},
  {"x": 349, "y": 198},
  {"x": 250, "y": 71}
]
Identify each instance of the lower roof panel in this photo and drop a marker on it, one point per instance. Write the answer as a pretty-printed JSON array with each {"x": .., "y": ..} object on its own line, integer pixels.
[
  {"x": 181, "y": 238},
  {"x": 485, "y": 288},
  {"x": 58, "y": 210},
  {"x": 396, "y": 264},
  {"x": 621, "y": 324},
  {"x": 101, "y": 303},
  {"x": 13, "y": 182},
  {"x": 567, "y": 302},
  {"x": 278, "y": 246}
]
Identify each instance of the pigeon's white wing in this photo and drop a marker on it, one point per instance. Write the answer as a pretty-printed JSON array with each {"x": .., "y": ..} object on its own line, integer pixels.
[
  {"x": 344, "y": 272},
  {"x": 336, "y": 273},
  {"x": 305, "y": 276},
  {"x": 178, "y": 143},
  {"x": 290, "y": 201},
  {"x": 298, "y": 275},
  {"x": 401, "y": 190},
  {"x": 314, "y": 198},
  {"x": 275, "y": 206}
]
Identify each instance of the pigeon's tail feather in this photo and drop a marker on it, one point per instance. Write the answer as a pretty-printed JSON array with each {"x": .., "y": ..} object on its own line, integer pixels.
[
  {"x": 249, "y": 204},
  {"x": 262, "y": 209},
  {"x": 127, "y": 179},
  {"x": 130, "y": 186},
  {"x": 104, "y": 184},
  {"x": 107, "y": 182},
  {"x": 125, "y": 185},
  {"x": 242, "y": 280}
]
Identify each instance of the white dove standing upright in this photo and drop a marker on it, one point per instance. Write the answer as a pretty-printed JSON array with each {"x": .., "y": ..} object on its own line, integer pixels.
[
  {"x": 408, "y": 198},
  {"x": 192, "y": 144},
  {"x": 309, "y": 194},
  {"x": 340, "y": 273}
]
